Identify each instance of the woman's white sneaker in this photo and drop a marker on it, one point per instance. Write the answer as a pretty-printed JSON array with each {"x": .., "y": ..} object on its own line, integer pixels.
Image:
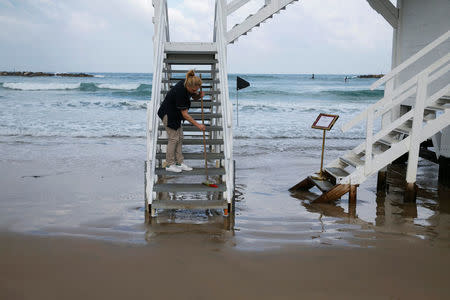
[
  {"x": 184, "y": 167},
  {"x": 173, "y": 168}
]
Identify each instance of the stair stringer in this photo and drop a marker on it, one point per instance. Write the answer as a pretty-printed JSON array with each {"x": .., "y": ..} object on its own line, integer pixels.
[
  {"x": 359, "y": 175},
  {"x": 266, "y": 12}
]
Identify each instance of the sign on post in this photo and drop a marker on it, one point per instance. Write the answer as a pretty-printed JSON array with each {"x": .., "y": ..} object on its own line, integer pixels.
[{"x": 324, "y": 122}]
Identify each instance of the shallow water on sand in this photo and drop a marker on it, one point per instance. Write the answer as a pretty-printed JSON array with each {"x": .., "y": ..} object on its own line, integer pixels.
[{"x": 95, "y": 188}]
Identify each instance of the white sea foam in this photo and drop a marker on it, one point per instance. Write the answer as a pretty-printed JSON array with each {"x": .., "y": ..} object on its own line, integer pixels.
[
  {"x": 99, "y": 76},
  {"x": 28, "y": 86},
  {"x": 123, "y": 86}
]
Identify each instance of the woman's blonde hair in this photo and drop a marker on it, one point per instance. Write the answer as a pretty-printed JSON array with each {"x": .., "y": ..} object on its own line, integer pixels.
[{"x": 192, "y": 81}]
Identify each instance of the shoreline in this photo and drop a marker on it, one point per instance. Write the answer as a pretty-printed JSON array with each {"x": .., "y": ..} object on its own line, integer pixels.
[{"x": 43, "y": 74}]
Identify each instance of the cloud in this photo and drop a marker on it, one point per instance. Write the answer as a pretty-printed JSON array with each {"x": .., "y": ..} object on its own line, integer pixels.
[{"x": 325, "y": 36}]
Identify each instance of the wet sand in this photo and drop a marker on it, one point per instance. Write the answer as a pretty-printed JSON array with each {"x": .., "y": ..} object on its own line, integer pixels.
[{"x": 191, "y": 267}]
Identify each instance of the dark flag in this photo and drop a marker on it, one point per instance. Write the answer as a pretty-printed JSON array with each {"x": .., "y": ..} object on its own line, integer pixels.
[{"x": 241, "y": 83}]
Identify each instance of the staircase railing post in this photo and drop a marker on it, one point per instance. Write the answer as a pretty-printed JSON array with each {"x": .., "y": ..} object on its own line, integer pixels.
[
  {"x": 414, "y": 146},
  {"x": 369, "y": 143}
]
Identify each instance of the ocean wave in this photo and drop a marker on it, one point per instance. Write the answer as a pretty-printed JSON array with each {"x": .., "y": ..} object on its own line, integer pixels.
[
  {"x": 29, "y": 86},
  {"x": 324, "y": 94},
  {"x": 82, "y": 86},
  {"x": 130, "y": 105}
]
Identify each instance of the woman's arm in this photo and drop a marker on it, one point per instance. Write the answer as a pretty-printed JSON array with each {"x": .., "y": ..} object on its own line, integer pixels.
[{"x": 191, "y": 120}]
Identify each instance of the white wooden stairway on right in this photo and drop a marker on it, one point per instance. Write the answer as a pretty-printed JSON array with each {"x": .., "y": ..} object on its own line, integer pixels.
[{"x": 425, "y": 96}]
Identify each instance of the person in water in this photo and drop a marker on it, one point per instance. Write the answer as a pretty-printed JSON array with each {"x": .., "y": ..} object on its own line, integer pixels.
[{"x": 172, "y": 111}]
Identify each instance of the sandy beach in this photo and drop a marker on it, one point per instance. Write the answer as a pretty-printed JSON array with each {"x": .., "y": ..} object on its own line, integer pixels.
[
  {"x": 75, "y": 229},
  {"x": 197, "y": 267}
]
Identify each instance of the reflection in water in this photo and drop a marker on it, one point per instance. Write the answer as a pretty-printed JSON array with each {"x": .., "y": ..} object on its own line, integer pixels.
[
  {"x": 427, "y": 218},
  {"x": 209, "y": 224}
]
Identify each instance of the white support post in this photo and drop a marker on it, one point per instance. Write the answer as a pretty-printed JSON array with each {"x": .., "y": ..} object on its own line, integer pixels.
[
  {"x": 369, "y": 136},
  {"x": 388, "y": 91},
  {"x": 414, "y": 147}
]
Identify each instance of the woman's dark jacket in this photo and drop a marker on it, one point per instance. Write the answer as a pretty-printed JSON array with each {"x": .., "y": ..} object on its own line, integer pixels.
[{"x": 177, "y": 99}]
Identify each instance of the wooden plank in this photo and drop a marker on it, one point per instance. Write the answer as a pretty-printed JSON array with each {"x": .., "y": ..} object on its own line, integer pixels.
[
  {"x": 195, "y": 171},
  {"x": 187, "y": 188},
  {"x": 189, "y": 204},
  {"x": 195, "y": 129},
  {"x": 323, "y": 185},
  {"x": 335, "y": 193},
  {"x": 337, "y": 172},
  {"x": 195, "y": 155},
  {"x": 304, "y": 185},
  {"x": 194, "y": 141},
  {"x": 387, "y": 10}
]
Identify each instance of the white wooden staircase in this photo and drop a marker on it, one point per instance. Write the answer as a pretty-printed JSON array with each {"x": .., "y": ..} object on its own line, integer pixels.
[
  {"x": 426, "y": 96},
  {"x": 168, "y": 190}
]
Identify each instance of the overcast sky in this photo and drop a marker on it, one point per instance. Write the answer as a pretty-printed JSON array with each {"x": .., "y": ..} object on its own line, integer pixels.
[{"x": 311, "y": 36}]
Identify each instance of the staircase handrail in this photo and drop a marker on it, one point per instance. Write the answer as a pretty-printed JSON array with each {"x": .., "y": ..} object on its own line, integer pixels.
[
  {"x": 403, "y": 92},
  {"x": 161, "y": 35},
  {"x": 226, "y": 107},
  {"x": 411, "y": 60}
]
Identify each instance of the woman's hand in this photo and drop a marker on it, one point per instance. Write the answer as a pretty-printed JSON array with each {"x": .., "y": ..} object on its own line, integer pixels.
[{"x": 201, "y": 127}]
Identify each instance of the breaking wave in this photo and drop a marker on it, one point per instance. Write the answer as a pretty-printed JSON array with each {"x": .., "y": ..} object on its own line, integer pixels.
[{"x": 81, "y": 86}]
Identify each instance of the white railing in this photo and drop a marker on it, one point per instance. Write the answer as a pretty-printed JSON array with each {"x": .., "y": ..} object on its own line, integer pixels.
[
  {"x": 161, "y": 35},
  {"x": 269, "y": 8},
  {"x": 226, "y": 106},
  {"x": 416, "y": 86}
]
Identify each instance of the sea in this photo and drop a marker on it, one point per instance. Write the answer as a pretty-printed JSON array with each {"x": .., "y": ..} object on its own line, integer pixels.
[
  {"x": 113, "y": 105},
  {"x": 72, "y": 153}
]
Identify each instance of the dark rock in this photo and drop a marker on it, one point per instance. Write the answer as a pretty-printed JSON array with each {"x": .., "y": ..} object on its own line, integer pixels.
[
  {"x": 371, "y": 76},
  {"x": 35, "y": 74}
]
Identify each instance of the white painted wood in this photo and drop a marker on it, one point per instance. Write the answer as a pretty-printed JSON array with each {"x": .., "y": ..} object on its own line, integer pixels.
[
  {"x": 410, "y": 84},
  {"x": 411, "y": 60},
  {"x": 387, "y": 10},
  {"x": 369, "y": 143},
  {"x": 414, "y": 147},
  {"x": 235, "y": 5},
  {"x": 189, "y": 47},
  {"x": 256, "y": 19},
  {"x": 388, "y": 92},
  {"x": 160, "y": 36}
]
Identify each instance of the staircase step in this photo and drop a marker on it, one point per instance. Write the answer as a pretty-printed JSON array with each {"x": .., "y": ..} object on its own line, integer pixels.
[
  {"x": 193, "y": 128},
  {"x": 189, "y": 204},
  {"x": 403, "y": 129},
  {"x": 436, "y": 107},
  {"x": 207, "y": 104},
  {"x": 187, "y": 188},
  {"x": 323, "y": 185},
  {"x": 193, "y": 61},
  {"x": 337, "y": 172},
  {"x": 175, "y": 80},
  {"x": 185, "y": 71},
  {"x": 206, "y": 92},
  {"x": 209, "y": 155},
  {"x": 206, "y": 115},
  {"x": 195, "y": 171},
  {"x": 352, "y": 160},
  {"x": 194, "y": 141},
  {"x": 387, "y": 140}
]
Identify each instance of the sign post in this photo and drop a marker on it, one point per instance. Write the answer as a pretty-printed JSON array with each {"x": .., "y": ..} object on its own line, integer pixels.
[{"x": 324, "y": 122}]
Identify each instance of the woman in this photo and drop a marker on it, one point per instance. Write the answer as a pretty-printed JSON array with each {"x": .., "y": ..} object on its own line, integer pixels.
[{"x": 172, "y": 111}]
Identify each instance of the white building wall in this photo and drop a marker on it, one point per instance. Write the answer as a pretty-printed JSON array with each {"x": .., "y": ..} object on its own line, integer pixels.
[{"x": 421, "y": 22}]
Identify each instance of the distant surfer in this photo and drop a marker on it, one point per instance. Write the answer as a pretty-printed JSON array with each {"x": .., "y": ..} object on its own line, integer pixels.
[
  {"x": 346, "y": 78},
  {"x": 312, "y": 77}
]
